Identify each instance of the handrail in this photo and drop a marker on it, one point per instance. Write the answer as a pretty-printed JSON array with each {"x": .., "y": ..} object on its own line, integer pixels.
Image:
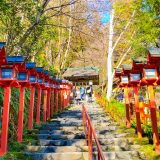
[{"x": 89, "y": 132}]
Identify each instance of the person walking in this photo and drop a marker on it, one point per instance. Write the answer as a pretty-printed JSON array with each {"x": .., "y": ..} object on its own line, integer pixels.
[
  {"x": 82, "y": 92},
  {"x": 89, "y": 92},
  {"x": 78, "y": 96}
]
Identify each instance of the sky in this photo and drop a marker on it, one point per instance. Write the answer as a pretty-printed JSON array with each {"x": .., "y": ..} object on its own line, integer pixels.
[
  {"x": 103, "y": 6},
  {"x": 105, "y": 18}
]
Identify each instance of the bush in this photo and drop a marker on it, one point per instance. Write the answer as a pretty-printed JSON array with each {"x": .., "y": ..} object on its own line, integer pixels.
[{"x": 114, "y": 108}]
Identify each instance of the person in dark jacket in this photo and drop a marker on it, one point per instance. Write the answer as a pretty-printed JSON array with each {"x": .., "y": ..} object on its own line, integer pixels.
[{"x": 89, "y": 92}]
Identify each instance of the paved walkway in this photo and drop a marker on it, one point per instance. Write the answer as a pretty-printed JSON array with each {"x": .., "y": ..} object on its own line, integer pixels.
[{"x": 63, "y": 137}]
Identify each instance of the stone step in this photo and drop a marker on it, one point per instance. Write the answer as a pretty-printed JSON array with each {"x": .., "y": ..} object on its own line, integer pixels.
[
  {"x": 65, "y": 121},
  {"x": 49, "y": 132},
  {"x": 51, "y": 149},
  {"x": 110, "y": 135},
  {"x": 59, "y": 156},
  {"x": 73, "y": 142},
  {"x": 66, "y": 128},
  {"x": 80, "y": 128},
  {"x": 75, "y": 124},
  {"x": 107, "y": 128},
  {"x": 69, "y": 121},
  {"x": 125, "y": 155},
  {"x": 63, "y": 124},
  {"x": 121, "y": 155},
  {"x": 71, "y": 115},
  {"x": 108, "y": 132},
  {"x": 117, "y": 148},
  {"x": 116, "y": 141},
  {"x": 61, "y": 136},
  {"x": 60, "y": 132},
  {"x": 67, "y": 118}
]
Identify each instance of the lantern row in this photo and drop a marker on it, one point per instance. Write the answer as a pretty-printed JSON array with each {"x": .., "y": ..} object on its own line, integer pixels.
[
  {"x": 141, "y": 73},
  {"x": 15, "y": 72}
]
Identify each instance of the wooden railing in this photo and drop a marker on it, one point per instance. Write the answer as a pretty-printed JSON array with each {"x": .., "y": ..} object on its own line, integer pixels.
[{"x": 91, "y": 134}]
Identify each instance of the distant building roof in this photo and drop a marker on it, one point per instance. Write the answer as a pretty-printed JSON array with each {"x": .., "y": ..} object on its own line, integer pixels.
[{"x": 82, "y": 74}]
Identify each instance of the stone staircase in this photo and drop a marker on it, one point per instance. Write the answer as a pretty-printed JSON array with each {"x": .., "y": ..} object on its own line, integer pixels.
[
  {"x": 63, "y": 138},
  {"x": 115, "y": 145}
]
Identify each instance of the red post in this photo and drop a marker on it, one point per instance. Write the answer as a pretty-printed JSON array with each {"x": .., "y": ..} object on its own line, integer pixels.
[
  {"x": 128, "y": 124},
  {"x": 65, "y": 98},
  {"x": 69, "y": 97},
  {"x": 153, "y": 116},
  {"x": 32, "y": 93},
  {"x": 5, "y": 120},
  {"x": 138, "y": 120},
  {"x": 61, "y": 92},
  {"x": 45, "y": 106},
  {"x": 20, "y": 114},
  {"x": 130, "y": 102},
  {"x": 52, "y": 102},
  {"x": 38, "y": 106},
  {"x": 56, "y": 100},
  {"x": 49, "y": 104}
]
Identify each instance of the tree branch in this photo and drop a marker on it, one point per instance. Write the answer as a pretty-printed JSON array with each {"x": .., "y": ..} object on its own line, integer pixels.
[{"x": 121, "y": 34}]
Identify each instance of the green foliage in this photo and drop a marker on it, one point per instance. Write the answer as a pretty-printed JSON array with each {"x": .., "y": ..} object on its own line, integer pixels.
[
  {"x": 30, "y": 28},
  {"x": 117, "y": 110},
  {"x": 144, "y": 29},
  {"x": 114, "y": 108}
]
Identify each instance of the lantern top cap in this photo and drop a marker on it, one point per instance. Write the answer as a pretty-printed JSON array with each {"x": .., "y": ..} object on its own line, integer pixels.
[
  {"x": 30, "y": 65},
  {"x": 51, "y": 77},
  {"x": 64, "y": 81},
  {"x": 127, "y": 67},
  {"x": 138, "y": 61},
  {"x": 58, "y": 80},
  {"x": 118, "y": 70},
  {"x": 39, "y": 69},
  {"x": 46, "y": 72},
  {"x": 2, "y": 44},
  {"x": 154, "y": 52},
  {"x": 15, "y": 59}
]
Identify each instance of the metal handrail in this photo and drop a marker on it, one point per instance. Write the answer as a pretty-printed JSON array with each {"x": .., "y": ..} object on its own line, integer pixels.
[{"x": 89, "y": 133}]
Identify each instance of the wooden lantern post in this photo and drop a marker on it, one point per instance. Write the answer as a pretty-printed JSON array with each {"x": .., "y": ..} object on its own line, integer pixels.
[
  {"x": 52, "y": 95},
  {"x": 8, "y": 79},
  {"x": 46, "y": 111},
  {"x": 40, "y": 73},
  {"x": 126, "y": 69},
  {"x": 56, "y": 93},
  {"x": 61, "y": 95},
  {"x": 151, "y": 74},
  {"x": 31, "y": 66},
  {"x": 135, "y": 81},
  {"x": 124, "y": 84},
  {"x": 69, "y": 87},
  {"x": 23, "y": 79}
]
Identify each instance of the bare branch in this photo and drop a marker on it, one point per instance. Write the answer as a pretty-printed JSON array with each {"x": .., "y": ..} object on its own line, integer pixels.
[{"x": 120, "y": 36}]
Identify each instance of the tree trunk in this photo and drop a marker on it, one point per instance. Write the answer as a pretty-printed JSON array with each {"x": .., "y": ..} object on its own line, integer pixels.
[
  {"x": 69, "y": 40},
  {"x": 111, "y": 48},
  {"x": 110, "y": 53}
]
